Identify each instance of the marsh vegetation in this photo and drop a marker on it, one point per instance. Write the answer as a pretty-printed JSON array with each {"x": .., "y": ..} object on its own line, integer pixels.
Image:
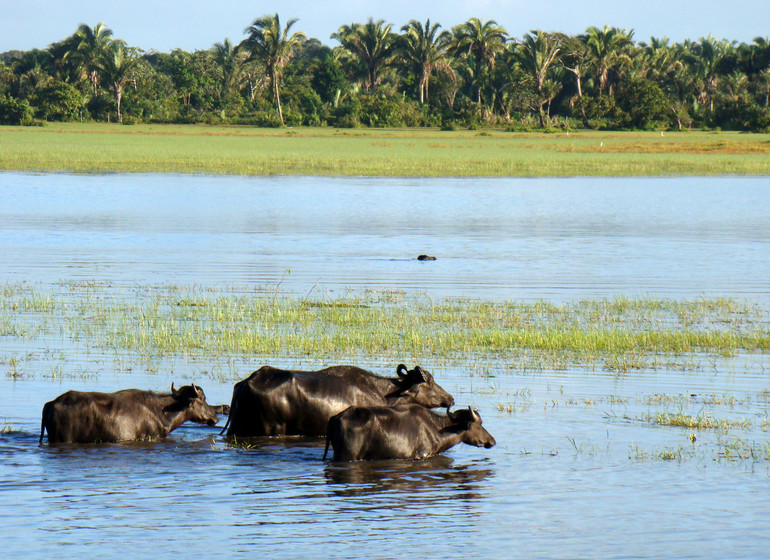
[{"x": 611, "y": 335}]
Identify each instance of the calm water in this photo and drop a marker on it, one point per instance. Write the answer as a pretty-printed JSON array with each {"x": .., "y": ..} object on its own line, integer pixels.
[
  {"x": 493, "y": 238},
  {"x": 576, "y": 473}
]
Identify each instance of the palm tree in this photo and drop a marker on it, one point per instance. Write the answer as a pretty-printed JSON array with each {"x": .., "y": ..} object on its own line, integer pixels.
[
  {"x": 659, "y": 60},
  {"x": 426, "y": 49},
  {"x": 574, "y": 59},
  {"x": 116, "y": 65},
  {"x": 607, "y": 50},
  {"x": 86, "y": 47},
  {"x": 226, "y": 56},
  {"x": 371, "y": 43},
  {"x": 762, "y": 82},
  {"x": 536, "y": 54},
  {"x": 662, "y": 63},
  {"x": 705, "y": 57},
  {"x": 480, "y": 42},
  {"x": 271, "y": 44}
]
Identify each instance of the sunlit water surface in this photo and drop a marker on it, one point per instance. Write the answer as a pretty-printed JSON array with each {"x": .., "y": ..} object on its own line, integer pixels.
[
  {"x": 577, "y": 472},
  {"x": 493, "y": 238}
]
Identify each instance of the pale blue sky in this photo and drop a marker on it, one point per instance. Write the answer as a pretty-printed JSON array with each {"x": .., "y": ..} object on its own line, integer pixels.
[{"x": 163, "y": 25}]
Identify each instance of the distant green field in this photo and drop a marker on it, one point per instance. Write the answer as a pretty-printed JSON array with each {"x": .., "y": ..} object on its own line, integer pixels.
[{"x": 94, "y": 148}]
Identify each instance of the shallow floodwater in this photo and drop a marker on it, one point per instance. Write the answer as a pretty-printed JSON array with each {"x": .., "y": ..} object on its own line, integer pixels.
[
  {"x": 559, "y": 239},
  {"x": 580, "y": 470}
]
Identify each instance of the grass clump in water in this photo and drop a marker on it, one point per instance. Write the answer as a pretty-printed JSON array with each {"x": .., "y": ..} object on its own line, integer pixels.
[{"x": 699, "y": 422}]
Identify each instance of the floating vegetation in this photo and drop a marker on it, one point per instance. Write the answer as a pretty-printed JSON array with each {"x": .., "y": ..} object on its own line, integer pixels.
[
  {"x": 680, "y": 453},
  {"x": 740, "y": 449},
  {"x": 700, "y": 421},
  {"x": 244, "y": 443},
  {"x": 7, "y": 428}
]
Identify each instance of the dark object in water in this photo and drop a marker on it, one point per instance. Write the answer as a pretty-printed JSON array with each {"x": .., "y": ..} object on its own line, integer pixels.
[
  {"x": 426, "y": 258},
  {"x": 407, "y": 431},
  {"x": 278, "y": 402},
  {"x": 127, "y": 415}
]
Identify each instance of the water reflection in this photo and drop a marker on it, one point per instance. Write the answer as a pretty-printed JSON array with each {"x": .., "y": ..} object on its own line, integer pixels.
[{"x": 429, "y": 481}]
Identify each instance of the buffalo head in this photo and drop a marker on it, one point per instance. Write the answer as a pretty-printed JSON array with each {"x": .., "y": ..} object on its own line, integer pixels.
[
  {"x": 468, "y": 422},
  {"x": 192, "y": 398},
  {"x": 418, "y": 386}
]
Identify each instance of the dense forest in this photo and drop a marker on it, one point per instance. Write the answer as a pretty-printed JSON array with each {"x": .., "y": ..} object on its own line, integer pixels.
[{"x": 471, "y": 75}]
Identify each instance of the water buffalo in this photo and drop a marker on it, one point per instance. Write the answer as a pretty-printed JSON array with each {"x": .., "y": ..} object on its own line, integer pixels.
[
  {"x": 407, "y": 431},
  {"x": 277, "y": 402},
  {"x": 130, "y": 414}
]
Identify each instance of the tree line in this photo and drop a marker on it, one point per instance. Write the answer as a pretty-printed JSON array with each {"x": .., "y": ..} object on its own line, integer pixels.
[{"x": 471, "y": 75}]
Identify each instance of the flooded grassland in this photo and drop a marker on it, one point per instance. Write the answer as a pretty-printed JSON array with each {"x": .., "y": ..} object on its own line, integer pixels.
[{"x": 613, "y": 335}]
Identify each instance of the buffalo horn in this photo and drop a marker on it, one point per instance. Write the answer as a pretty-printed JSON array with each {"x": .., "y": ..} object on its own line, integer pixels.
[{"x": 399, "y": 372}]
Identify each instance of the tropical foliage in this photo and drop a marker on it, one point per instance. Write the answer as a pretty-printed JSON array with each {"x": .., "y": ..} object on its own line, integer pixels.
[{"x": 473, "y": 74}]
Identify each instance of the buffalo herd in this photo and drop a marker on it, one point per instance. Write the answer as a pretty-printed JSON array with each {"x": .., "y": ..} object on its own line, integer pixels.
[{"x": 363, "y": 416}]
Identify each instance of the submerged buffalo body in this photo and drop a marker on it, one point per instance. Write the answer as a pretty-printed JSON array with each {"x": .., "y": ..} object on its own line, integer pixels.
[
  {"x": 131, "y": 414},
  {"x": 275, "y": 402},
  {"x": 401, "y": 432}
]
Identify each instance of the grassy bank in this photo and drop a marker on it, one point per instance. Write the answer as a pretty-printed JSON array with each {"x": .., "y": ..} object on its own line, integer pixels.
[
  {"x": 612, "y": 335},
  {"x": 93, "y": 148}
]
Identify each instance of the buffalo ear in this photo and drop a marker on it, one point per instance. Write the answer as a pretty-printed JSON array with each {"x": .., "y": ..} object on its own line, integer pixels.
[{"x": 401, "y": 371}]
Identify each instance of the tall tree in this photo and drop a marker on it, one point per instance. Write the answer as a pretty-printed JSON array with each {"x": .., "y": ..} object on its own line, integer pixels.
[
  {"x": 480, "y": 42},
  {"x": 536, "y": 55},
  {"x": 116, "y": 65},
  {"x": 574, "y": 59},
  {"x": 662, "y": 63},
  {"x": 705, "y": 57},
  {"x": 86, "y": 47},
  {"x": 271, "y": 44},
  {"x": 608, "y": 51},
  {"x": 424, "y": 47},
  {"x": 226, "y": 57},
  {"x": 762, "y": 83},
  {"x": 372, "y": 44},
  {"x": 659, "y": 60}
]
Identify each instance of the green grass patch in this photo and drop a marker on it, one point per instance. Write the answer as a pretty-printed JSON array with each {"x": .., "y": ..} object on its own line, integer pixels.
[
  {"x": 96, "y": 148},
  {"x": 177, "y": 321},
  {"x": 735, "y": 449},
  {"x": 699, "y": 421}
]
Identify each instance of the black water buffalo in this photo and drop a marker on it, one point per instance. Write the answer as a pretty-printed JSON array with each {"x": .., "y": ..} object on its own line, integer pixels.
[
  {"x": 407, "y": 431},
  {"x": 131, "y": 414},
  {"x": 277, "y": 402}
]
